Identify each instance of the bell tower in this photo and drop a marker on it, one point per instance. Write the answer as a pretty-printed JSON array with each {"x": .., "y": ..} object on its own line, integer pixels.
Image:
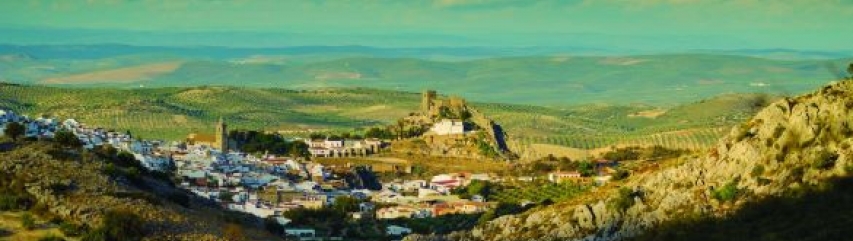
[{"x": 222, "y": 135}]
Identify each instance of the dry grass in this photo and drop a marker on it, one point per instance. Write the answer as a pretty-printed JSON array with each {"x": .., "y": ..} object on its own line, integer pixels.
[
  {"x": 11, "y": 221},
  {"x": 559, "y": 151}
]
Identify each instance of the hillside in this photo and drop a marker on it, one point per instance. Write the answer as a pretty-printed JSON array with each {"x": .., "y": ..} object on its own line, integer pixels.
[
  {"x": 172, "y": 113},
  {"x": 660, "y": 80},
  {"x": 93, "y": 193},
  {"x": 795, "y": 148}
]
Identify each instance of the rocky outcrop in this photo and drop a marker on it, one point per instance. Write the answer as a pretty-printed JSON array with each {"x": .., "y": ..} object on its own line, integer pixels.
[
  {"x": 434, "y": 109},
  {"x": 790, "y": 144}
]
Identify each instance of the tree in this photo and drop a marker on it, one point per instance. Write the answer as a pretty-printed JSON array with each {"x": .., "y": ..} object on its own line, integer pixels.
[
  {"x": 345, "y": 204},
  {"x": 14, "y": 130},
  {"x": 126, "y": 159},
  {"x": 67, "y": 139},
  {"x": 298, "y": 149},
  {"x": 478, "y": 187},
  {"x": 586, "y": 168},
  {"x": 316, "y": 136},
  {"x": 376, "y": 132},
  {"x": 123, "y": 225},
  {"x": 107, "y": 151}
]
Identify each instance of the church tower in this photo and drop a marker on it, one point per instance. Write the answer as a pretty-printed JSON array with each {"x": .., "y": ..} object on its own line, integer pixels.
[
  {"x": 222, "y": 135},
  {"x": 427, "y": 99}
]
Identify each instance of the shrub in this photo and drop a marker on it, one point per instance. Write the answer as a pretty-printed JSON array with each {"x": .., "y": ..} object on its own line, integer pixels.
[
  {"x": 71, "y": 229},
  {"x": 757, "y": 171},
  {"x": 51, "y": 238},
  {"x": 95, "y": 235},
  {"x": 726, "y": 193},
  {"x": 621, "y": 174},
  {"x": 824, "y": 160},
  {"x": 117, "y": 226},
  {"x": 67, "y": 139},
  {"x": 14, "y": 130},
  {"x": 625, "y": 199},
  {"x": 777, "y": 132},
  {"x": 27, "y": 221},
  {"x": 41, "y": 210},
  {"x": 11, "y": 202}
]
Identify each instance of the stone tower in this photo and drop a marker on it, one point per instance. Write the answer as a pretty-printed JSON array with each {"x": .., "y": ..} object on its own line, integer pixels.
[
  {"x": 427, "y": 100},
  {"x": 222, "y": 135}
]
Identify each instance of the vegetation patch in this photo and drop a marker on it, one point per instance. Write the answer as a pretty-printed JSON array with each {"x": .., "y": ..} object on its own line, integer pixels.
[{"x": 726, "y": 193}]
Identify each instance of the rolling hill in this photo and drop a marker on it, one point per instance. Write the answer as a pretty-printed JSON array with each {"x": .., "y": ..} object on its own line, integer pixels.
[
  {"x": 556, "y": 79},
  {"x": 173, "y": 112}
]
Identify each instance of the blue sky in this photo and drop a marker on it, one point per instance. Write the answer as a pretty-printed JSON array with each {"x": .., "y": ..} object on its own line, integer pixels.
[{"x": 624, "y": 24}]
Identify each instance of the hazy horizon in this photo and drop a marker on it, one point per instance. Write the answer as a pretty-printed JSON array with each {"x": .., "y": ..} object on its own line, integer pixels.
[{"x": 607, "y": 25}]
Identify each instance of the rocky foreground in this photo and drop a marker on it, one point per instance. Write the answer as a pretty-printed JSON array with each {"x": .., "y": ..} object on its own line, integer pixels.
[
  {"x": 76, "y": 187},
  {"x": 791, "y": 144}
]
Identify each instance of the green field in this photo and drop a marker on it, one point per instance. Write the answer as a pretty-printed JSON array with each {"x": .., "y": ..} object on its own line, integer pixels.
[{"x": 171, "y": 113}]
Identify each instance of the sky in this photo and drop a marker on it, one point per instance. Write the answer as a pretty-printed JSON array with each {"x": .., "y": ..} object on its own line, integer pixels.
[{"x": 823, "y": 25}]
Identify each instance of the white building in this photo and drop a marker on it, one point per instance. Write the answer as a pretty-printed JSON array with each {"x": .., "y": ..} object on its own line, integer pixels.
[
  {"x": 394, "y": 230},
  {"x": 301, "y": 233},
  {"x": 448, "y": 127},
  {"x": 562, "y": 176}
]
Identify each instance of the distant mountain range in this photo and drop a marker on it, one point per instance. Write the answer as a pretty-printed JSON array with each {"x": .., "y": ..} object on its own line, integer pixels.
[{"x": 509, "y": 75}]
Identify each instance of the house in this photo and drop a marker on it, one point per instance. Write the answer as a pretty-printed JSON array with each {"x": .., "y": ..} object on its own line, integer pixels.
[
  {"x": 395, "y": 212},
  {"x": 153, "y": 163},
  {"x": 312, "y": 201},
  {"x": 413, "y": 185},
  {"x": 448, "y": 127},
  {"x": 334, "y": 143},
  {"x": 557, "y": 177},
  {"x": 301, "y": 233},
  {"x": 366, "y": 207},
  {"x": 446, "y": 182},
  {"x": 343, "y": 147},
  {"x": 426, "y": 192},
  {"x": 320, "y": 152},
  {"x": 397, "y": 231}
]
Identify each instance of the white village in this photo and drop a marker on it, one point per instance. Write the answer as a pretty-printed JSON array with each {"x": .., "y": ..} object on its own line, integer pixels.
[{"x": 209, "y": 167}]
